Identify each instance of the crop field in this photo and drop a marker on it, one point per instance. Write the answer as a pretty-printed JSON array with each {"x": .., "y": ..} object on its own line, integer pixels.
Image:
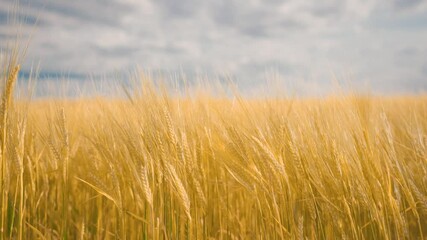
[{"x": 158, "y": 166}]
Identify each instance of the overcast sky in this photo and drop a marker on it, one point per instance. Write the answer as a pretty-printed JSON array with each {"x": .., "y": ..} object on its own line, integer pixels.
[{"x": 375, "y": 44}]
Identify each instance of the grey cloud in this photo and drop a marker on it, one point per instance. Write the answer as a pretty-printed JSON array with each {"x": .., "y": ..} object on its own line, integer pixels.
[
  {"x": 276, "y": 2},
  {"x": 105, "y": 12},
  {"x": 21, "y": 18},
  {"x": 291, "y": 24},
  {"x": 225, "y": 12},
  {"x": 411, "y": 22},
  {"x": 410, "y": 58},
  {"x": 424, "y": 71},
  {"x": 405, "y": 4},
  {"x": 255, "y": 30},
  {"x": 168, "y": 49},
  {"x": 118, "y": 51},
  {"x": 254, "y": 21},
  {"x": 328, "y": 10},
  {"x": 407, "y": 52},
  {"x": 4, "y": 17},
  {"x": 180, "y": 9},
  {"x": 272, "y": 28}
]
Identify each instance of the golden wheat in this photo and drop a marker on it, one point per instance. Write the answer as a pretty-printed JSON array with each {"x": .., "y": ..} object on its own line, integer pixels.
[{"x": 204, "y": 167}]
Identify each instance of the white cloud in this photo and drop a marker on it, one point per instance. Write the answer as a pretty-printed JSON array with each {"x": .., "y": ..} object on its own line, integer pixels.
[{"x": 304, "y": 41}]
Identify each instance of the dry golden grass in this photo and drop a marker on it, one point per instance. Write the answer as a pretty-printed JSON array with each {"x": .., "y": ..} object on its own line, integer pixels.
[{"x": 204, "y": 167}]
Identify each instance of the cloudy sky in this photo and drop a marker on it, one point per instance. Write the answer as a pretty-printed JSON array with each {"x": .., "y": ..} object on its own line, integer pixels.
[{"x": 303, "y": 44}]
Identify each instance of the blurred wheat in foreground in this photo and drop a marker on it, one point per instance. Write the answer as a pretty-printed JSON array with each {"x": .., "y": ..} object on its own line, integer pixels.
[{"x": 203, "y": 167}]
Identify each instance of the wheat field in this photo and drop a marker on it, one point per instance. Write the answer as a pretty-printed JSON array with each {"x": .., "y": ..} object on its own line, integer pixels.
[{"x": 158, "y": 166}]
